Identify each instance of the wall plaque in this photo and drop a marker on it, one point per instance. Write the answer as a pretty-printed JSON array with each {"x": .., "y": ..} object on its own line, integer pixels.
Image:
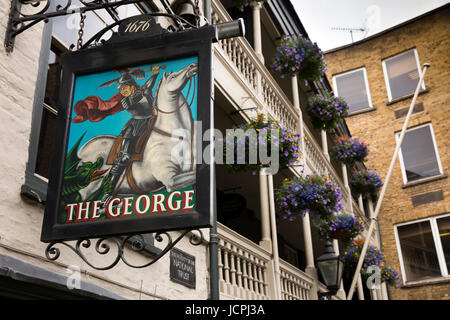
[{"x": 182, "y": 268}]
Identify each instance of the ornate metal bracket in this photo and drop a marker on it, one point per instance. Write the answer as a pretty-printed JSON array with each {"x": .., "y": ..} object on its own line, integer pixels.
[
  {"x": 137, "y": 245},
  {"x": 19, "y": 21}
]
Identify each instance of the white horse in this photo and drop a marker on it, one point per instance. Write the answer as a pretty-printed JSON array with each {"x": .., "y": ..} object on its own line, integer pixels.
[{"x": 167, "y": 160}]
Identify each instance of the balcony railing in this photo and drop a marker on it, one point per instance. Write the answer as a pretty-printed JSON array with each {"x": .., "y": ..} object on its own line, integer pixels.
[
  {"x": 295, "y": 284},
  {"x": 245, "y": 268}
]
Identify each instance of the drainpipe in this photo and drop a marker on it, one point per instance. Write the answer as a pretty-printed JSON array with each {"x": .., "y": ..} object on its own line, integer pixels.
[{"x": 213, "y": 236}]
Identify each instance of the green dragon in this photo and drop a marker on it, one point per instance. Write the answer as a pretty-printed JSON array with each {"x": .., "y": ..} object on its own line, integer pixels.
[{"x": 77, "y": 177}]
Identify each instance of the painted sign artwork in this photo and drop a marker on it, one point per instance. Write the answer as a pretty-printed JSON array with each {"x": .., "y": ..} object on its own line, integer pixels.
[{"x": 131, "y": 143}]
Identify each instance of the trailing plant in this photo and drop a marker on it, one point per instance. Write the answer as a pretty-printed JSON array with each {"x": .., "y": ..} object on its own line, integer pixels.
[
  {"x": 349, "y": 151},
  {"x": 366, "y": 183},
  {"x": 326, "y": 110},
  {"x": 343, "y": 226},
  {"x": 261, "y": 132},
  {"x": 312, "y": 193},
  {"x": 374, "y": 257},
  {"x": 299, "y": 56}
]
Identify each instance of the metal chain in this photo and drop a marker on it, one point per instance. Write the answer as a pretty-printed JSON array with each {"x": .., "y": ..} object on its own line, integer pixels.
[{"x": 81, "y": 31}]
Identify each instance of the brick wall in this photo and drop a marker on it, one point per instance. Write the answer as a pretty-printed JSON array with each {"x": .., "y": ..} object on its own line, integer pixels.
[{"x": 430, "y": 35}]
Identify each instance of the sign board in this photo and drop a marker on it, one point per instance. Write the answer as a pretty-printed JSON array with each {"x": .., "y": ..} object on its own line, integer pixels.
[
  {"x": 126, "y": 142},
  {"x": 182, "y": 268}
]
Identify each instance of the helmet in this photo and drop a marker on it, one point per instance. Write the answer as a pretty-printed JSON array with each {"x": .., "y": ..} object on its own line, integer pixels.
[{"x": 126, "y": 79}]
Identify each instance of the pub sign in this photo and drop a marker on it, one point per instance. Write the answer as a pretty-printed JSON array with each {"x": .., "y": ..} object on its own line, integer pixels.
[{"x": 127, "y": 137}]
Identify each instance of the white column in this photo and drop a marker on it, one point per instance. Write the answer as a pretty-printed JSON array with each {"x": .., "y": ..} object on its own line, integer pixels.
[
  {"x": 341, "y": 291},
  {"x": 360, "y": 288},
  {"x": 373, "y": 294},
  {"x": 347, "y": 186},
  {"x": 310, "y": 267},
  {"x": 296, "y": 101},
  {"x": 361, "y": 203},
  {"x": 382, "y": 293},
  {"x": 265, "y": 242},
  {"x": 323, "y": 135},
  {"x": 257, "y": 39},
  {"x": 275, "y": 256}
]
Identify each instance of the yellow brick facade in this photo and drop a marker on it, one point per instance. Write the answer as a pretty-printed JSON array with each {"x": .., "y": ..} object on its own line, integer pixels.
[{"x": 430, "y": 36}]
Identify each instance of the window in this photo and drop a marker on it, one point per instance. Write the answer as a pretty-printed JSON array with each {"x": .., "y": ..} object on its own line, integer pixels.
[
  {"x": 424, "y": 248},
  {"x": 401, "y": 74},
  {"x": 418, "y": 154},
  {"x": 353, "y": 87}
]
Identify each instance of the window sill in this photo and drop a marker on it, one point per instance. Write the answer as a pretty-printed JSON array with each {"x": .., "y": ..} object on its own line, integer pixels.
[
  {"x": 424, "y": 180},
  {"x": 365, "y": 110},
  {"x": 412, "y": 284},
  {"x": 34, "y": 188},
  {"x": 393, "y": 101}
]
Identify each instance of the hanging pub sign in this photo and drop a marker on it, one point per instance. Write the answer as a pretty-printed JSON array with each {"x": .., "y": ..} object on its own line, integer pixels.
[{"x": 124, "y": 158}]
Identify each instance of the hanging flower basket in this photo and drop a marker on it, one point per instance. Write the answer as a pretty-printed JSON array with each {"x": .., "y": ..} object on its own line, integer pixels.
[
  {"x": 259, "y": 133},
  {"x": 241, "y": 4},
  {"x": 343, "y": 226},
  {"x": 311, "y": 193},
  {"x": 366, "y": 183},
  {"x": 326, "y": 111},
  {"x": 374, "y": 257},
  {"x": 299, "y": 56},
  {"x": 349, "y": 151}
]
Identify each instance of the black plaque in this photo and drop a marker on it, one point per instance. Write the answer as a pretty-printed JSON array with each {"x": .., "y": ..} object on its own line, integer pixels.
[{"x": 182, "y": 268}]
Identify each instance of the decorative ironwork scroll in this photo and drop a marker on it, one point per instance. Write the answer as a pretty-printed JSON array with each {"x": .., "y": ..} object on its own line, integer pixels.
[
  {"x": 102, "y": 247},
  {"x": 19, "y": 21}
]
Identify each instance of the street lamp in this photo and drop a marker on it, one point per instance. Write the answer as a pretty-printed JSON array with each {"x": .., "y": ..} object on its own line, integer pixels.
[{"x": 330, "y": 266}]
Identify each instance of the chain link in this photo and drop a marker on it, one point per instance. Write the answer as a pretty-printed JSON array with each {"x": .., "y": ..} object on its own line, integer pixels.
[{"x": 81, "y": 30}]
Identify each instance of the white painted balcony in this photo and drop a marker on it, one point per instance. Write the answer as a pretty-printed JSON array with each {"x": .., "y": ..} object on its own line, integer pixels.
[{"x": 246, "y": 269}]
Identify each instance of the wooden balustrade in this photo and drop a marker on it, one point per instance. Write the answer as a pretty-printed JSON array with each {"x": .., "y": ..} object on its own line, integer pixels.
[
  {"x": 295, "y": 284},
  {"x": 242, "y": 267},
  {"x": 243, "y": 271}
]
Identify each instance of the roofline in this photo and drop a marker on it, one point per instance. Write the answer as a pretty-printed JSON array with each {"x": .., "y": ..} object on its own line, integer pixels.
[{"x": 389, "y": 29}]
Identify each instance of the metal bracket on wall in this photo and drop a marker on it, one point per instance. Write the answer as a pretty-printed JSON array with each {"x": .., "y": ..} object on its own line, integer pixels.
[
  {"x": 19, "y": 21},
  {"x": 103, "y": 248}
]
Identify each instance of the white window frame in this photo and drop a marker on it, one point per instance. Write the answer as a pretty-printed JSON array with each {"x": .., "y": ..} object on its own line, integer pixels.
[
  {"x": 437, "y": 245},
  {"x": 386, "y": 77},
  {"x": 366, "y": 83},
  {"x": 400, "y": 155}
]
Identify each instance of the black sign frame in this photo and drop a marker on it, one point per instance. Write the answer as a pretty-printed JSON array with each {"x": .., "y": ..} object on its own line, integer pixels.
[{"x": 116, "y": 55}]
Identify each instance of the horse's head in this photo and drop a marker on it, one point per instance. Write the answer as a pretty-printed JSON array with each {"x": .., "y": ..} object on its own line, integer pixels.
[{"x": 175, "y": 81}]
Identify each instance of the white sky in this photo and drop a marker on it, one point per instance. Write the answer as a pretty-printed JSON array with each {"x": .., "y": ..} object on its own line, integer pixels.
[{"x": 320, "y": 16}]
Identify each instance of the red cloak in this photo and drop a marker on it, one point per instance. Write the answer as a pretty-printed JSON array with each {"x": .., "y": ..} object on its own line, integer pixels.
[{"x": 95, "y": 109}]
